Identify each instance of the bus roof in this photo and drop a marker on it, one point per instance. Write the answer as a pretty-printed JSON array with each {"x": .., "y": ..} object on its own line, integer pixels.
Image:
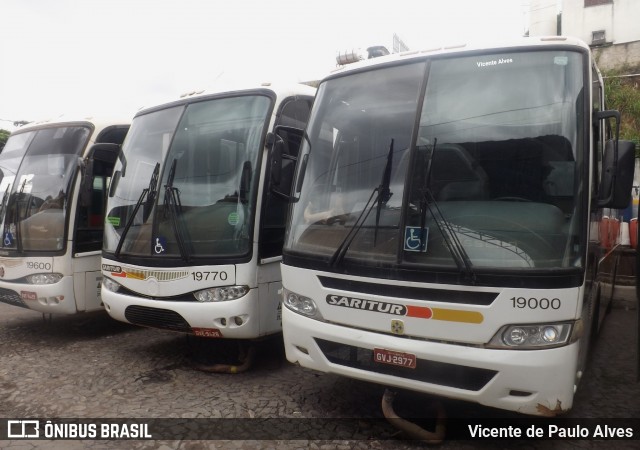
[
  {"x": 280, "y": 89},
  {"x": 98, "y": 122},
  {"x": 517, "y": 43}
]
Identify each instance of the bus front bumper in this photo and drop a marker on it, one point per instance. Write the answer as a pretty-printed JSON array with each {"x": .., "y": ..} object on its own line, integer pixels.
[
  {"x": 536, "y": 382},
  {"x": 236, "y": 319},
  {"x": 56, "y": 298}
]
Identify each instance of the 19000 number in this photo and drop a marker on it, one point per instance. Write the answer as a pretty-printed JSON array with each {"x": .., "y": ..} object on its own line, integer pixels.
[
  {"x": 209, "y": 276},
  {"x": 535, "y": 303}
]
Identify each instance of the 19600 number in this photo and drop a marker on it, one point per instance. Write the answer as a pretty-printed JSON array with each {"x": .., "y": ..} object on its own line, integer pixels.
[
  {"x": 536, "y": 303},
  {"x": 209, "y": 276}
]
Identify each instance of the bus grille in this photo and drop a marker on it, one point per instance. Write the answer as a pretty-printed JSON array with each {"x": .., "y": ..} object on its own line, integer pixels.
[
  {"x": 12, "y": 298},
  {"x": 434, "y": 372},
  {"x": 156, "y": 318}
]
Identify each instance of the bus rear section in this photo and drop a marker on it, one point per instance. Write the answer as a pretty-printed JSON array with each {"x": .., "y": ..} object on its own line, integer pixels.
[
  {"x": 54, "y": 187},
  {"x": 439, "y": 238},
  {"x": 196, "y": 216}
]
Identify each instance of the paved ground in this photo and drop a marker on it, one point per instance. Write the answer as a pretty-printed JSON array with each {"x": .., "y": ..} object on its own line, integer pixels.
[{"x": 90, "y": 366}]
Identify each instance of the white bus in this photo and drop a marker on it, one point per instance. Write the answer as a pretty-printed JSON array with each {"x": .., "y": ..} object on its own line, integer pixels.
[
  {"x": 53, "y": 189},
  {"x": 195, "y": 215},
  {"x": 439, "y": 239}
]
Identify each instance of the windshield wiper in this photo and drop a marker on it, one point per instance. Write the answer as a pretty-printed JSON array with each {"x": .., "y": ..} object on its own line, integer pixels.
[
  {"x": 428, "y": 201},
  {"x": 384, "y": 191},
  {"x": 174, "y": 205},
  {"x": 150, "y": 194},
  {"x": 5, "y": 197},
  {"x": 19, "y": 217},
  {"x": 382, "y": 195}
]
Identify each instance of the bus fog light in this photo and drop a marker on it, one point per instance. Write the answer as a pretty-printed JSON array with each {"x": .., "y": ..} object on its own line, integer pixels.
[
  {"x": 44, "y": 278},
  {"x": 532, "y": 336},
  {"x": 299, "y": 303},
  {"x": 110, "y": 285},
  {"x": 221, "y": 294}
]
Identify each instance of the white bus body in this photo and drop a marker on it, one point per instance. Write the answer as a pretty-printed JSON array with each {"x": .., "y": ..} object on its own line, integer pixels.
[
  {"x": 439, "y": 238},
  {"x": 53, "y": 185},
  {"x": 195, "y": 224}
]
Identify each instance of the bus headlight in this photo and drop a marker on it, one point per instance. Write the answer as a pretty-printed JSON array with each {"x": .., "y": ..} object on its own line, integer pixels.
[
  {"x": 44, "y": 278},
  {"x": 299, "y": 303},
  {"x": 532, "y": 336},
  {"x": 110, "y": 285},
  {"x": 221, "y": 294}
]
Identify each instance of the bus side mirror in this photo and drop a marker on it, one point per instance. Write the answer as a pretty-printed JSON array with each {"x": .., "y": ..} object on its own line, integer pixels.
[
  {"x": 283, "y": 156},
  {"x": 114, "y": 182},
  {"x": 617, "y": 174},
  {"x": 276, "y": 162},
  {"x": 102, "y": 157},
  {"x": 86, "y": 185}
]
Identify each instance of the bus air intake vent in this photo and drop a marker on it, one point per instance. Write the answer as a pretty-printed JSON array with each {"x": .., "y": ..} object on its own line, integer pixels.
[
  {"x": 12, "y": 298},
  {"x": 434, "y": 372},
  {"x": 414, "y": 293},
  {"x": 156, "y": 318}
]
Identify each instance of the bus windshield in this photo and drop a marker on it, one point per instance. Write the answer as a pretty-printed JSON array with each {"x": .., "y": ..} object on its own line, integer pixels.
[
  {"x": 461, "y": 162},
  {"x": 36, "y": 171},
  {"x": 187, "y": 180}
]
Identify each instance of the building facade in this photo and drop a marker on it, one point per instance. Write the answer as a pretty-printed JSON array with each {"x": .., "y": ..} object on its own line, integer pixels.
[{"x": 610, "y": 27}]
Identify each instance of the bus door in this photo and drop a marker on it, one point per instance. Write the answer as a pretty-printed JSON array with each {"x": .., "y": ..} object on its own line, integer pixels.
[{"x": 87, "y": 236}]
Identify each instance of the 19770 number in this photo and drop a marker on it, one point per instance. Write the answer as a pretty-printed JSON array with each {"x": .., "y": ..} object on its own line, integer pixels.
[
  {"x": 535, "y": 303},
  {"x": 209, "y": 276}
]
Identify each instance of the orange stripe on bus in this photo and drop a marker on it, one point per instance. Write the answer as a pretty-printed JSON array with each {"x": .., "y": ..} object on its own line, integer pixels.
[
  {"x": 419, "y": 311},
  {"x": 455, "y": 315}
]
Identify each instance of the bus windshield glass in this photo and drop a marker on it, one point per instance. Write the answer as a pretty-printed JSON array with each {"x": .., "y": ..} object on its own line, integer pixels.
[
  {"x": 37, "y": 167},
  {"x": 185, "y": 185},
  {"x": 468, "y": 162}
]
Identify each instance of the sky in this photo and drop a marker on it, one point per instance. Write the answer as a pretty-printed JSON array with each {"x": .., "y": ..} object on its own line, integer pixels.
[{"x": 113, "y": 57}]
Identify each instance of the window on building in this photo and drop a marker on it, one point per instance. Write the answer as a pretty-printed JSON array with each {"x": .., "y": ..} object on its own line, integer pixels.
[
  {"x": 596, "y": 2},
  {"x": 598, "y": 37}
]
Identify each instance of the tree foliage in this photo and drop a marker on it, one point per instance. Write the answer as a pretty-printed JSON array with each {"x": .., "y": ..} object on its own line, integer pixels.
[
  {"x": 623, "y": 94},
  {"x": 4, "y": 135}
]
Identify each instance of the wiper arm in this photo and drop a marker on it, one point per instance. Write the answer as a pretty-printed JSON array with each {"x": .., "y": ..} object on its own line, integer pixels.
[
  {"x": 174, "y": 205},
  {"x": 382, "y": 195},
  {"x": 450, "y": 237},
  {"x": 19, "y": 217},
  {"x": 338, "y": 255},
  {"x": 150, "y": 194},
  {"x": 5, "y": 197},
  {"x": 455, "y": 247}
]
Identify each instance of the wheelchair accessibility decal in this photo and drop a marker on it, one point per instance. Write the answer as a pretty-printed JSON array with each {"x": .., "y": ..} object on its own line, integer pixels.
[
  {"x": 8, "y": 239},
  {"x": 160, "y": 245},
  {"x": 415, "y": 239}
]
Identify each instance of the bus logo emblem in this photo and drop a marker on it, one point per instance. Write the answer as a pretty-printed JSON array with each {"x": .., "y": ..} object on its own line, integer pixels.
[{"x": 397, "y": 326}]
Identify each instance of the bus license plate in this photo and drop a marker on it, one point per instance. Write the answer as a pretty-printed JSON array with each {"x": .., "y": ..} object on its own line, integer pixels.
[
  {"x": 207, "y": 332},
  {"x": 383, "y": 356}
]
